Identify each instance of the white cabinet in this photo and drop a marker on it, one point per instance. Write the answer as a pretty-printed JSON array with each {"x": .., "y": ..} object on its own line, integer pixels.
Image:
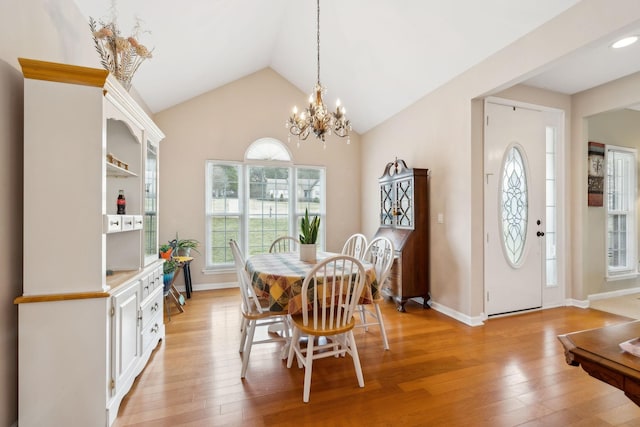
[{"x": 90, "y": 317}]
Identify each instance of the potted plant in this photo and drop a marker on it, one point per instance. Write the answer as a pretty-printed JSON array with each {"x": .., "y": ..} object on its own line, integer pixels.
[
  {"x": 165, "y": 251},
  {"x": 308, "y": 237},
  {"x": 169, "y": 269},
  {"x": 183, "y": 247}
]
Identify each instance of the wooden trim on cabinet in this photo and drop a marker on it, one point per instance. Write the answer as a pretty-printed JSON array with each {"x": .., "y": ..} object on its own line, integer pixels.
[
  {"x": 60, "y": 297},
  {"x": 63, "y": 73}
]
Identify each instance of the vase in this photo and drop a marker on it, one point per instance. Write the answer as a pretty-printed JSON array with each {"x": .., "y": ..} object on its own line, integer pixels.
[
  {"x": 183, "y": 252},
  {"x": 166, "y": 279},
  {"x": 308, "y": 252}
]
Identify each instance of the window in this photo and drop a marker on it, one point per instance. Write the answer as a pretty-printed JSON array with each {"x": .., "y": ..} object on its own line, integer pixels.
[
  {"x": 258, "y": 200},
  {"x": 621, "y": 212},
  {"x": 551, "y": 232}
]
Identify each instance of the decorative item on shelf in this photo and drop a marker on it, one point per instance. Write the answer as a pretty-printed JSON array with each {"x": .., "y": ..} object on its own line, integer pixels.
[
  {"x": 168, "y": 269},
  {"x": 119, "y": 55},
  {"x": 317, "y": 117},
  {"x": 165, "y": 251},
  {"x": 121, "y": 203},
  {"x": 308, "y": 237},
  {"x": 183, "y": 247}
]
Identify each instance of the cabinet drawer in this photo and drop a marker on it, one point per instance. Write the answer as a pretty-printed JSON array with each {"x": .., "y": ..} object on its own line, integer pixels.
[
  {"x": 137, "y": 222},
  {"x": 146, "y": 286},
  {"x": 150, "y": 308},
  {"x": 127, "y": 222},
  {"x": 158, "y": 278},
  {"x": 151, "y": 332},
  {"x": 112, "y": 223}
]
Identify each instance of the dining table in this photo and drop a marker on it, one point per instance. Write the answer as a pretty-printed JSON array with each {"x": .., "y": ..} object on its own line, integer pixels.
[{"x": 277, "y": 277}]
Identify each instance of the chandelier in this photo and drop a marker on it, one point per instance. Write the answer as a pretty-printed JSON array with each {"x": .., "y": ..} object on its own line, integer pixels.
[{"x": 317, "y": 118}]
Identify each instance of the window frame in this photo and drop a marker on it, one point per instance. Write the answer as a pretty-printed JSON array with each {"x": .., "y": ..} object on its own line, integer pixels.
[
  {"x": 295, "y": 210},
  {"x": 630, "y": 270}
]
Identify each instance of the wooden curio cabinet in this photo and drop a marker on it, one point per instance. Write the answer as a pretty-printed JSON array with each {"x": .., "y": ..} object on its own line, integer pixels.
[{"x": 404, "y": 218}]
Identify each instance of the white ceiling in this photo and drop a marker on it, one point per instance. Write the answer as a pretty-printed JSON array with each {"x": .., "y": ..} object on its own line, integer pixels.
[{"x": 377, "y": 56}]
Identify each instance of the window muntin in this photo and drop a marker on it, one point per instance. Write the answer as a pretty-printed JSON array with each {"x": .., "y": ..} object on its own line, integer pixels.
[{"x": 621, "y": 211}]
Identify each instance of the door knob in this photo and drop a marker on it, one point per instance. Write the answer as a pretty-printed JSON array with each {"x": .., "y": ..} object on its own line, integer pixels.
[{"x": 540, "y": 233}]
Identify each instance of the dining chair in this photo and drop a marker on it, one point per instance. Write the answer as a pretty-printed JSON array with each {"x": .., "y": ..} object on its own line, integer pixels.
[
  {"x": 255, "y": 312},
  {"x": 380, "y": 252},
  {"x": 330, "y": 291},
  {"x": 285, "y": 244},
  {"x": 355, "y": 246}
]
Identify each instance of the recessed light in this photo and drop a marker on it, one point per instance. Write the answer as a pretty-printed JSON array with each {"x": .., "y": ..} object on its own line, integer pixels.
[{"x": 625, "y": 42}]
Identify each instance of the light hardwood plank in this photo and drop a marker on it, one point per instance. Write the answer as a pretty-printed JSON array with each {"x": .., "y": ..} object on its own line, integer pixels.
[{"x": 438, "y": 372}]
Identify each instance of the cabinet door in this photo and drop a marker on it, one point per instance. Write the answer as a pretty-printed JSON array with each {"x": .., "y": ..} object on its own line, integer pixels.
[
  {"x": 125, "y": 335},
  {"x": 151, "y": 205},
  {"x": 404, "y": 203},
  {"x": 386, "y": 203}
]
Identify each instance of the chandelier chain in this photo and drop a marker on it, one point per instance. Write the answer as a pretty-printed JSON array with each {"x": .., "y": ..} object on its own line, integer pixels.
[{"x": 318, "y": 38}]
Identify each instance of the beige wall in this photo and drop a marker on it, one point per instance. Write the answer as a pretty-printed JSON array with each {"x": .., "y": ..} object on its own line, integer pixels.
[
  {"x": 441, "y": 132},
  {"x": 221, "y": 125},
  {"x": 615, "y": 95},
  {"x": 622, "y": 128}
]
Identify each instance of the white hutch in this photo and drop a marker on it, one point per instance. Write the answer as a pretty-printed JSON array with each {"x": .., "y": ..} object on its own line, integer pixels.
[{"x": 91, "y": 312}]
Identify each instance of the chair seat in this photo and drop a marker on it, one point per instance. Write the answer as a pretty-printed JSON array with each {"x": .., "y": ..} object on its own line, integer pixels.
[{"x": 310, "y": 330}]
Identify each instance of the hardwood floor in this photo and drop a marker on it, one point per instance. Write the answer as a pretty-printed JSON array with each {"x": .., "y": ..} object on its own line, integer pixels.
[{"x": 439, "y": 372}]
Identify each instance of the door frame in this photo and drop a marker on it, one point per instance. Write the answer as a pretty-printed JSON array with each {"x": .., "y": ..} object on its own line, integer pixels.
[{"x": 552, "y": 296}]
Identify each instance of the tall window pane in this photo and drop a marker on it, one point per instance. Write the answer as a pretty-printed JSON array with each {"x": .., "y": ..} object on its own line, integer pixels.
[
  {"x": 551, "y": 256},
  {"x": 310, "y": 195},
  {"x": 223, "y": 211},
  {"x": 621, "y": 211},
  {"x": 268, "y": 208}
]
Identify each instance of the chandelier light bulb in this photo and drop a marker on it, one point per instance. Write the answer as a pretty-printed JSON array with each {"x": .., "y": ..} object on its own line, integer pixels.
[
  {"x": 295, "y": 110},
  {"x": 338, "y": 103}
]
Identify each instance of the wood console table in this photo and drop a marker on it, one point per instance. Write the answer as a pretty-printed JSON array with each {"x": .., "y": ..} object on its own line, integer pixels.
[{"x": 599, "y": 354}]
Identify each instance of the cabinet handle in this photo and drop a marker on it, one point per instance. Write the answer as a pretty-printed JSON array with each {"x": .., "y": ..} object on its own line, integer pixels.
[
  {"x": 155, "y": 328},
  {"x": 129, "y": 223},
  {"x": 114, "y": 223}
]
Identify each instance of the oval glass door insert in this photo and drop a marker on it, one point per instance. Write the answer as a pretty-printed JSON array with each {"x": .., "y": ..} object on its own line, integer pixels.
[{"x": 514, "y": 205}]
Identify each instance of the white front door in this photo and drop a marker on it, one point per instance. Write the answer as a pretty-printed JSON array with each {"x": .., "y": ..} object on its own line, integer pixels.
[{"x": 514, "y": 162}]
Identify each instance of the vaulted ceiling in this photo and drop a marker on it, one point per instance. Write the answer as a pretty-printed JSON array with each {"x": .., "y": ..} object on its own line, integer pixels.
[{"x": 377, "y": 56}]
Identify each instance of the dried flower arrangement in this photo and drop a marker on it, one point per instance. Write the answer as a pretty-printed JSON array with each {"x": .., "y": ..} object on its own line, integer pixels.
[{"x": 121, "y": 56}]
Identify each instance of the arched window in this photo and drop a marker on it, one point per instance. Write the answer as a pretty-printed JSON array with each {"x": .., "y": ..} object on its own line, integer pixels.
[
  {"x": 267, "y": 149},
  {"x": 258, "y": 200}
]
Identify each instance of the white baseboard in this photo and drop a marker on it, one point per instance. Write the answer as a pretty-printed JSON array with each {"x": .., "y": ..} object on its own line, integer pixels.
[
  {"x": 613, "y": 294},
  {"x": 447, "y": 311},
  {"x": 570, "y": 302}
]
